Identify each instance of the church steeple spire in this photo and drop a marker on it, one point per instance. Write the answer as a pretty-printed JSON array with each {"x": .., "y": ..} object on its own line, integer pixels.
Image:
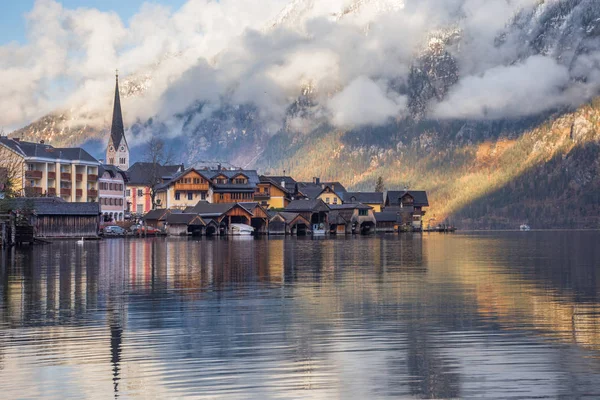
[
  {"x": 117, "y": 151},
  {"x": 117, "y": 130}
]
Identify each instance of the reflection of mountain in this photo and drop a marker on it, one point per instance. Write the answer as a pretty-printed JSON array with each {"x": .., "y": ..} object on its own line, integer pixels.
[{"x": 400, "y": 316}]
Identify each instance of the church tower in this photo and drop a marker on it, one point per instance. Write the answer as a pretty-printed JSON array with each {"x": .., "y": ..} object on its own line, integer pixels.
[{"x": 117, "y": 151}]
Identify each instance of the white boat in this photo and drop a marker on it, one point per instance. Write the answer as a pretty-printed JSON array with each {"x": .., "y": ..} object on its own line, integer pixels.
[
  {"x": 241, "y": 230},
  {"x": 318, "y": 229},
  {"x": 525, "y": 227}
]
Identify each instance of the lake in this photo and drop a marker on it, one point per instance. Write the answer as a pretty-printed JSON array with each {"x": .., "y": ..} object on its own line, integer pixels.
[{"x": 470, "y": 315}]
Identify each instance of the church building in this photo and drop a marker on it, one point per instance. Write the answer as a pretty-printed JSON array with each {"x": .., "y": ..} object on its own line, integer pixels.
[{"x": 117, "y": 151}]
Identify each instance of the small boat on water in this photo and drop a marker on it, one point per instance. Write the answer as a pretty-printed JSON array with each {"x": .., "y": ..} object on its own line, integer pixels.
[
  {"x": 318, "y": 229},
  {"x": 241, "y": 230},
  {"x": 525, "y": 227}
]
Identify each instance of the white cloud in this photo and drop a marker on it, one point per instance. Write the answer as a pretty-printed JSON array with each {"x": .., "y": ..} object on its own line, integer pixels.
[{"x": 363, "y": 102}]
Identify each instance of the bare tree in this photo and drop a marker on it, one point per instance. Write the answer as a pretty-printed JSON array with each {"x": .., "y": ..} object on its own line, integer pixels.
[
  {"x": 157, "y": 155},
  {"x": 11, "y": 173}
]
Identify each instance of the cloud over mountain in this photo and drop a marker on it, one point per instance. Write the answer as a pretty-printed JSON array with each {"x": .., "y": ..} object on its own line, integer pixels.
[{"x": 365, "y": 60}]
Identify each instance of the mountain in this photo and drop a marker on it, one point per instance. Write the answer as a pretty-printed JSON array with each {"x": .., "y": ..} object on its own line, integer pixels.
[{"x": 491, "y": 165}]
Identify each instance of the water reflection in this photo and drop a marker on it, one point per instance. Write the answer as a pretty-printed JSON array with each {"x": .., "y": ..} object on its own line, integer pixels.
[{"x": 433, "y": 316}]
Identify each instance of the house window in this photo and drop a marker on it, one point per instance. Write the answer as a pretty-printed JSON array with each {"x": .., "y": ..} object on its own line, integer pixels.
[
  {"x": 190, "y": 196},
  {"x": 111, "y": 160},
  {"x": 177, "y": 196},
  {"x": 31, "y": 167},
  {"x": 221, "y": 196},
  {"x": 140, "y": 208},
  {"x": 203, "y": 196},
  {"x": 239, "y": 181},
  {"x": 128, "y": 193},
  {"x": 363, "y": 213},
  {"x": 327, "y": 200},
  {"x": 335, "y": 200},
  {"x": 121, "y": 161},
  {"x": 140, "y": 192}
]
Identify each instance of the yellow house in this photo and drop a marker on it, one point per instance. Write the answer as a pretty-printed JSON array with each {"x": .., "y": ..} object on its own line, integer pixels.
[
  {"x": 373, "y": 199},
  {"x": 186, "y": 189},
  {"x": 274, "y": 193},
  {"x": 329, "y": 196}
]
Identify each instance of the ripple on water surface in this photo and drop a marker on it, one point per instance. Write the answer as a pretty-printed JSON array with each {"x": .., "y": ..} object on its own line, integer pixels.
[{"x": 499, "y": 315}]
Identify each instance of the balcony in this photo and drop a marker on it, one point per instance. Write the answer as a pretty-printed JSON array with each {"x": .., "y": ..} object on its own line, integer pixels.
[
  {"x": 78, "y": 177},
  {"x": 65, "y": 192},
  {"x": 33, "y": 174},
  {"x": 92, "y": 193},
  {"x": 33, "y": 191},
  {"x": 92, "y": 178},
  {"x": 262, "y": 195},
  {"x": 191, "y": 187},
  {"x": 51, "y": 191},
  {"x": 65, "y": 176},
  {"x": 78, "y": 192},
  {"x": 51, "y": 175}
]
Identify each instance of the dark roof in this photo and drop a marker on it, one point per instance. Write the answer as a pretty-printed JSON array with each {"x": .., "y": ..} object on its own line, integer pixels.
[
  {"x": 288, "y": 181},
  {"x": 337, "y": 187},
  {"x": 307, "y": 205},
  {"x": 350, "y": 206},
  {"x": 140, "y": 172},
  {"x": 386, "y": 216},
  {"x": 183, "y": 218},
  {"x": 117, "y": 130},
  {"x": 363, "y": 197},
  {"x": 112, "y": 170},
  {"x": 56, "y": 206},
  {"x": 419, "y": 196},
  {"x": 204, "y": 208},
  {"x": 158, "y": 214},
  {"x": 311, "y": 191},
  {"x": 335, "y": 218},
  {"x": 251, "y": 174},
  {"x": 29, "y": 149}
]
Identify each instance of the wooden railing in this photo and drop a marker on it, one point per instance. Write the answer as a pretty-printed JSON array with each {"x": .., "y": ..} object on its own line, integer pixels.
[
  {"x": 51, "y": 191},
  {"x": 78, "y": 192},
  {"x": 92, "y": 178},
  {"x": 92, "y": 193},
  {"x": 78, "y": 177},
  {"x": 33, "y": 174},
  {"x": 51, "y": 175},
  {"x": 65, "y": 192},
  {"x": 65, "y": 176},
  {"x": 192, "y": 187}
]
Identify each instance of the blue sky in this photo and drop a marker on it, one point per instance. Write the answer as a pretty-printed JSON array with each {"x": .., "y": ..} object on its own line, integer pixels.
[{"x": 13, "y": 26}]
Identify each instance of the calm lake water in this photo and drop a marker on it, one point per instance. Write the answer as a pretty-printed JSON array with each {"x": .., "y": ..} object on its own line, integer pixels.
[{"x": 498, "y": 315}]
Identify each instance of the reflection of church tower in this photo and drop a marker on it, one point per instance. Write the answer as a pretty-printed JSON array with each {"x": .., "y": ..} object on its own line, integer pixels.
[{"x": 117, "y": 151}]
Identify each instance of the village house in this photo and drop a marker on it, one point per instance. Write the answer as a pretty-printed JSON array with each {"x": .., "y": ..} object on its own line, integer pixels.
[
  {"x": 329, "y": 192},
  {"x": 275, "y": 192},
  {"x": 139, "y": 184},
  {"x": 183, "y": 224},
  {"x": 225, "y": 214},
  {"x": 185, "y": 189},
  {"x": 288, "y": 223},
  {"x": 111, "y": 183},
  {"x": 388, "y": 221},
  {"x": 409, "y": 204},
  {"x": 38, "y": 169},
  {"x": 230, "y": 186},
  {"x": 315, "y": 211},
  {"x": 372, "y": 199},
  {"x": 355, "y": 218},
  {"x": 54, "y": 218},
  {"x": 157, "y": 218}
]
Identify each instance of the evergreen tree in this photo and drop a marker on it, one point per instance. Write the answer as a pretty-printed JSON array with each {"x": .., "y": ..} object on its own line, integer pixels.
[{"x": 379, "y": 187}]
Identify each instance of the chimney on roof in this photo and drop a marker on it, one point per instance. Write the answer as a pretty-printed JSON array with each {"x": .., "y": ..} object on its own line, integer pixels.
[
  {"x": 17, "y": 139},
  {"x": 283, "y": 183},
  {"x": 218, "y": 167},
  {"x": 316, "y": 180},
  {"x": 333, "y": 187},
  {"x": 322, "y": 186}
]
